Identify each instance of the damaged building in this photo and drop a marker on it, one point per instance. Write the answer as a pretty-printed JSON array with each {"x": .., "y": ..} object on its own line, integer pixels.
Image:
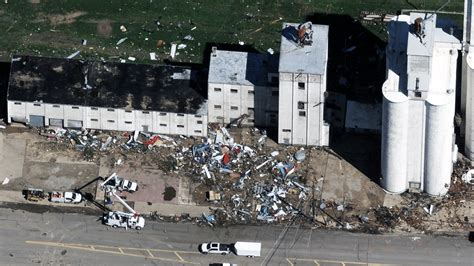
[
  {"x": 302, "y": 84},
  {"x": 243, "y": 85},
  {"x": 102, "y": 95},
  {"x": 418, "y": 148}
]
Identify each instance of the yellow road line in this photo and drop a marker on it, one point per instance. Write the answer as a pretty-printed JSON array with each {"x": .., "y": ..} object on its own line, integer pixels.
[
  {"x": 150, "y": 254},
  {"x": 318, "y": 261},
  {"x": 177, "y": 255},
  {"x": 120, "y": 251}
]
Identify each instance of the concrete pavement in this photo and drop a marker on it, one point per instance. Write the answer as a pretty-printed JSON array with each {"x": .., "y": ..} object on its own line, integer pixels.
[{"x": 54, "y": 238}]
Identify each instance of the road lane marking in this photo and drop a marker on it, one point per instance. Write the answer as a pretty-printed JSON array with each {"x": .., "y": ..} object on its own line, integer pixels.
[
  {"x": 292, "y": 261},
  {"x": 119, "y": 250},
  {"x": 177, "y": 255}
]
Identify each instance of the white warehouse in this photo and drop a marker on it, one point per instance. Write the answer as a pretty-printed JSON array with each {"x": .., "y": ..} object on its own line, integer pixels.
[
  {"x": 302, "y": 85},
  {"x": 242, "y": 83},
  {"x": 418, "y": 148},
  {"x": 110, "y": 96}
]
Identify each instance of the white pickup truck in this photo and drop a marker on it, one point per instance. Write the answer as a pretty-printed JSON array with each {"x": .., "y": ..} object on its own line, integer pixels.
[
  {"x": 248, "y": 249},
  {"x": 215, "y": 248},
  {"x": 65, "y": 197}
]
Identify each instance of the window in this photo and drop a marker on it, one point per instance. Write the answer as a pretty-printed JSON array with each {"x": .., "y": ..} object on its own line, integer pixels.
[
  {"x": 197, "y": 116},
  {"x": 234, "y": 108},
  {"x": 180, "y": 114},
  {"x": 219, "y": 117},
  {"x": 217, "y": 106},
  {"x": 274, "y": 93},
  {"x": 251, "y": 109},
  {"x": 128, "y": 111},
  {"x": 217, "y": 89},
  {"x": 75, "y": 107},
  {"x": 274, "y": 80},
  {"x": 302, "y": 113},
  {"x": 17, "y": 103},
  {"x": 94, "y": 108},
  {"x": 94, "y": 119},
  {"x": 162, "y": 114},
  {"x": 37, "y": 104},
  {"x": 163, "y": 125},
  {"x": 111, "y": 121},
  {"x": 251, "y": 92},
  {"x": 199, "y": 122},
  {"x": 301, "y": 85},
  {"x": 234, "y": 90},
  {"x": 286, "y": 130},
  {"x": 251, "y": 120},
  {"x": 418, "y": 94},
  {"x": 286, "y": 141},
  {"x": 111, "y": 110},
  {"x": 145, "y": 112},
  {"x": 128, "y": 122},
  {"x": 197, "y": 131},
  {"x": 56, "y": 106},
  {"x": 180, "y": 126},
  {"x": 301, "y": 105}
]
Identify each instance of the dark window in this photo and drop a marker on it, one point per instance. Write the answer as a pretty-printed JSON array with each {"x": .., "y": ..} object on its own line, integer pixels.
[
  {"x": 251, "y": 92},
  {"x": 219, "y": 117},
  {"x": 199, "y": 122},
  {"x": 302, "y": 113},
  {"x": 163, "y": 125},
  {"x": 250, "y": 109},
  {"x": 274, "y": 80},
  {"x": 17, "y": 103},
  {"x": 94, "y": 108},
  {"x": 128, "y": 122},
  {"x": 197, "y": 131},
  {"x": 234, "y": 90},
  {"x": 145, "y": 112},
  {"x": 217, "y": 106},
  {"x": 180, "y": 114},
  {"x": 301, "y": 85},
  {"x": 251, "y": 120},
  {"x": 180, "y": 126},
  {"x": 234, "y": 108},
  {"x": 300, "y": 105},
  {"x": 128, "y": 111},
  {"x": 37, "y": 104},
  {"x": 163, "y": 114},
  {"x": 198, "y": 116},
  {"x": 56, "y": 106},
  {"x": 286, "y": 130},
  {"x": 111, "y": 110},
  {"x": 111, "y": 121},
  {"x": 94, "y": 119},
  {"x": 75, "y": 107},
  {"x": 217, "y": 89},
  {"x": 274, "y": 93},
  {"x": 418, "y": 94}
]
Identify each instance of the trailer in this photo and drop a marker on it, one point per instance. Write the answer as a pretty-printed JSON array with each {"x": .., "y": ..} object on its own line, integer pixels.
[
  {"x": 34, "y": 194},
  {"x": 248, "y": 249}
]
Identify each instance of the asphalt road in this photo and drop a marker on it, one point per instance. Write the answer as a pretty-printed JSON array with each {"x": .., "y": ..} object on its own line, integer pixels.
[{"x": 78, "y": 239}]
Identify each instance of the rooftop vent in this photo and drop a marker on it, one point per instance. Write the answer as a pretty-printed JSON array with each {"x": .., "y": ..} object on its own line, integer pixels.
[{"x": 305, "y": 34}]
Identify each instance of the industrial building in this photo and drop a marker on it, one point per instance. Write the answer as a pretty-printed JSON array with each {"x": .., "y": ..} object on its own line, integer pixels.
[
  {"x": 418, "y": 148},
  {"x": 243, "y": 85},
  {"x": 302, "y": 85},
  {"x": 101, "y": 95},
  {"x": 467, "y": 97}
]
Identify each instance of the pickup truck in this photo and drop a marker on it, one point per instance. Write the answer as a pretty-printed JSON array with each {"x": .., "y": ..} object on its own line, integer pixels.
[
  {"x": 215, "y": 248},
  {"x": 127, "y": 185},
  {"x": 65, "y": 197}
]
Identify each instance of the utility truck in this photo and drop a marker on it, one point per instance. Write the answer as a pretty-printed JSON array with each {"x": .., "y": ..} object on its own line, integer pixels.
[{"x": 124, "y": 220}]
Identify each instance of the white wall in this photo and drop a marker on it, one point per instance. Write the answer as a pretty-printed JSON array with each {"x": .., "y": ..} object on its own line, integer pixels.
[{"x": 112, "y": 118}]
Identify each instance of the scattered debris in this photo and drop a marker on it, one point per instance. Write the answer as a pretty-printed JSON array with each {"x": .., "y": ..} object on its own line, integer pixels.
[
  {"x": 153, "y": 56},
  {"x": 122, "y": 28},
  {"x": 73, "y": 55},
  {"x": 173, "y": 50},
  {"x": 270, "y": 51},
  {"x": 5, "y": 181},
  {"x": 121, "y": 41}
]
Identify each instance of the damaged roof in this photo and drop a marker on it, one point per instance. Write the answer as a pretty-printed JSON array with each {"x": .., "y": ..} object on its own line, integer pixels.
[
  {"x": 241, "y": 68},
  {"x": 104, "y": 84}
]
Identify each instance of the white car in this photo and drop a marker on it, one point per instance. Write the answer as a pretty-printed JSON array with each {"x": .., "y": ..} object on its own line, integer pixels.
[{"x": 127, "y": 185}]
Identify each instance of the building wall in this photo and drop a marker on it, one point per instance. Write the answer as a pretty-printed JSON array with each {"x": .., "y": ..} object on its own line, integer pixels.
[
  {"x": 112, "y": 118},
  {"x": 301, "y": 110},
  {"x": 229, "y": 101}
]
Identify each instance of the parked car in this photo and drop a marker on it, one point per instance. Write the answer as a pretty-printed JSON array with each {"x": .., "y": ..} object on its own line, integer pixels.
[{"x": 127, "y": 185}]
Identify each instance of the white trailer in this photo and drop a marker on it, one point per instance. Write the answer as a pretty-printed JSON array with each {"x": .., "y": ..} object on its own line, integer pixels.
[{"x": 248, "y": 249}]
